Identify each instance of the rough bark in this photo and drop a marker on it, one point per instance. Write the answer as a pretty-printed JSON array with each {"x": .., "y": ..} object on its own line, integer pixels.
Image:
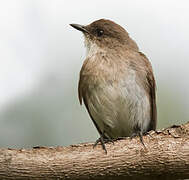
[{"x": 166, "y": 156}]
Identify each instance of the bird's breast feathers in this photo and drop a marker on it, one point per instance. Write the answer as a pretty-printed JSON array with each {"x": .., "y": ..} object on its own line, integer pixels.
[{"x": 112, "y": 95}]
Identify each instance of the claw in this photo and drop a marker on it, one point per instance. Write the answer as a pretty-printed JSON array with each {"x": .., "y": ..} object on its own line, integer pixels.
[
  {"x": 140, "y": 134},
  {"x": 101, "y": 140},
  {"x": 141, "y": 139}
]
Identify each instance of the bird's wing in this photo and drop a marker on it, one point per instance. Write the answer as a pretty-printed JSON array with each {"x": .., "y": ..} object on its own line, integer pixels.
[
  {"x": 80, "y": 91},
  {"x": 82, "y": 79},
  {"x": 150, "y": 87},
  {"x": 82, "y": 95}
]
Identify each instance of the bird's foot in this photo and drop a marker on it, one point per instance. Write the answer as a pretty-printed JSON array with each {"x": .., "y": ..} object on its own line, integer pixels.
[
  {"x": 140, "y": 134},
  {"x": 102, "y": 139},
  {"x": 148, "y": 133}
]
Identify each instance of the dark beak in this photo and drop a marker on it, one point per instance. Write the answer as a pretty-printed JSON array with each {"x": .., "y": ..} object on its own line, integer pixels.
[{"x": 79, "y": 27}]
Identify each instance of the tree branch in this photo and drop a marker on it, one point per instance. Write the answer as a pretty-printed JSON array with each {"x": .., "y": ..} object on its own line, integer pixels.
[{"x": 166, "y": 156}]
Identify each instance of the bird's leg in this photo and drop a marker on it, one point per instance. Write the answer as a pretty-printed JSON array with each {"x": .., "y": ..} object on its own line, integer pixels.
[{"x": 103, "y": 139}]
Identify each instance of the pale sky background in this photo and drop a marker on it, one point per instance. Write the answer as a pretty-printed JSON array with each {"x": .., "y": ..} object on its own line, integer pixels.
[{"x": 41, "y": 55}]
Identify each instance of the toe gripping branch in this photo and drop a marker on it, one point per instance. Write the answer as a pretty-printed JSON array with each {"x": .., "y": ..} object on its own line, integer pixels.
[{"x": 103, "y": 139}]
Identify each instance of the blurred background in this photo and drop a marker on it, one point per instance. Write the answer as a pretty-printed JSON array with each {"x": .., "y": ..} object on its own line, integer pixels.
[{"x": 41, "y": 56}]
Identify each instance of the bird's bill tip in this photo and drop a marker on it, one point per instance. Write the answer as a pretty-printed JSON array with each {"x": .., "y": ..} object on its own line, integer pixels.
[{"x": 79, "y": 27}]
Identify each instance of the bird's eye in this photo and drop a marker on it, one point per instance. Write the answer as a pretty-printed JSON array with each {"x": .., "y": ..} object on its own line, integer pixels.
[{"x": 100, "y": 32}]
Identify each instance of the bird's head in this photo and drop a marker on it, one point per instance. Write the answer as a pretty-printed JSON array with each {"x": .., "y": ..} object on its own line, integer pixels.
[{"x": 105, "y": 33}]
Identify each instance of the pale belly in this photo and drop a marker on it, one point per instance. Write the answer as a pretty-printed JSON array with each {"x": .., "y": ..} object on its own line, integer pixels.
[{"x": 118, "y": 108}]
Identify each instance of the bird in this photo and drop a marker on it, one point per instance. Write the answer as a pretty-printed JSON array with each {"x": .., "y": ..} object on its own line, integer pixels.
[{"x": 116, "y": 83}]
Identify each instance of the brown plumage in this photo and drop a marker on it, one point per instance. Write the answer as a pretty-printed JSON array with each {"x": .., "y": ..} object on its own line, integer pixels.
[{"x": 116, "y": 82}]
